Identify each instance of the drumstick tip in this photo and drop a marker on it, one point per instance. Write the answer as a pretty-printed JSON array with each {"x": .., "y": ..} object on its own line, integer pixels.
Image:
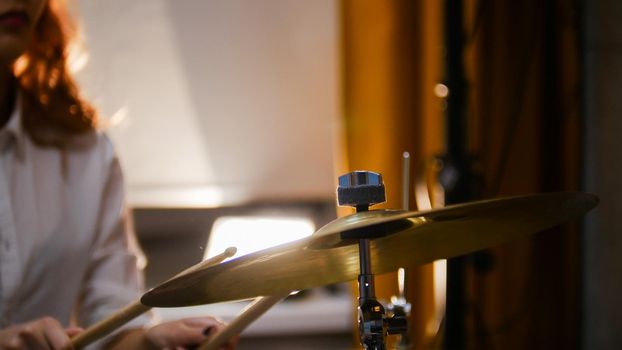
[{"x": 230, "y": 251}]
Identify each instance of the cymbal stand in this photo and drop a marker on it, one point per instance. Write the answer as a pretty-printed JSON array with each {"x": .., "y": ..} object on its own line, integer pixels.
[
  {"x": 361, "y": 189},
  {"x": 400, "y": 308}
]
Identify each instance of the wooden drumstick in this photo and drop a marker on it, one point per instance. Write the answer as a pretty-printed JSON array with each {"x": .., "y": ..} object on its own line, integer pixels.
[
  {"x": 252, "y": 312},
  {"x": 135, "y": 309},
  {"x": 215, "y": 260}
]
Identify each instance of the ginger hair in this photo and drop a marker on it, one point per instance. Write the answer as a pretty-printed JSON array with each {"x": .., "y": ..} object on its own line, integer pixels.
[{"x": 53, "y": 111}]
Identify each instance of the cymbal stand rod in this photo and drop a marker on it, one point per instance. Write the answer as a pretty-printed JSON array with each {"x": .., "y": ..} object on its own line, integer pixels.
[
  {"x": 406, "y": 181},
  {"x": 399, "y": 305},
  {"x": 366, "y": 278},
  {"x": 371, "y": 312},
  {"x": 361, "y": 189}
]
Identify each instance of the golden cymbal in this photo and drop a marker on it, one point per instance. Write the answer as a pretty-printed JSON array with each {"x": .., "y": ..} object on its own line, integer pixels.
[{"x": 399, "y": 239}]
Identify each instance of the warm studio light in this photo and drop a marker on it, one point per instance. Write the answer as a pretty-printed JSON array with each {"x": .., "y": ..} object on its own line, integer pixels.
[
  {"x": 249, "y": 234},
  {"x": 440, "y": 292},
  {"x": 441, "y": 90}
]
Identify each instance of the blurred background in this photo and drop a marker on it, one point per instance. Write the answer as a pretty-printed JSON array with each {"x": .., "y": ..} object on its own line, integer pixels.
[{"x": 230, "y": 114}]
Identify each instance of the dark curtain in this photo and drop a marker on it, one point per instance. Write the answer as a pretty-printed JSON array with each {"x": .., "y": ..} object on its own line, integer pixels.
[{"x": 523, "y": 107}]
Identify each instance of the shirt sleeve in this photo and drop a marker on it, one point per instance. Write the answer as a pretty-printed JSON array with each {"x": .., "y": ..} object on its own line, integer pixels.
[{"x": 114, "y": 275}]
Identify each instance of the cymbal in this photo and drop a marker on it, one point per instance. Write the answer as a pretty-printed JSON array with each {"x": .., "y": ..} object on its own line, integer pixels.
[{"x": 397, "y": 239}]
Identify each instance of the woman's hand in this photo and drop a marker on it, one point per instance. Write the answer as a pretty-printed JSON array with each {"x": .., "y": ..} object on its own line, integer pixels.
[
  {"x": 185, "y": 333},
  {"x": 41, "y": 334}
]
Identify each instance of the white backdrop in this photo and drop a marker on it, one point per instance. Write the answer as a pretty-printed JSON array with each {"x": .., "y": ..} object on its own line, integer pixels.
[{"x": 217, "y": 101}]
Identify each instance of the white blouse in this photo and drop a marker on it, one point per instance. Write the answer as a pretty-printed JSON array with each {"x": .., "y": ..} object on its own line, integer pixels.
[{"x": 65, "y": 247}]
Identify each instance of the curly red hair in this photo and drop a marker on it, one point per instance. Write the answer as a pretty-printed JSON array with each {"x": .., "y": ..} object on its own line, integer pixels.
[{"x": 53, "y": 110}]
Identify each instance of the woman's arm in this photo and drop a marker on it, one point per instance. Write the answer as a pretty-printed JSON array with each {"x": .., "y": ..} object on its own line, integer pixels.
[{"x": 113, "y": 277}]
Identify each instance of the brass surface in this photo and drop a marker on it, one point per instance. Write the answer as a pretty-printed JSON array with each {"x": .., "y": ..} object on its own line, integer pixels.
[{"x": 404, "y": 239}]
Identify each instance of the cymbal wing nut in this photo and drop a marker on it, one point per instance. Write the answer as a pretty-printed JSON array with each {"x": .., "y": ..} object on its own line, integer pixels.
[{"x": 360, "y": 188}]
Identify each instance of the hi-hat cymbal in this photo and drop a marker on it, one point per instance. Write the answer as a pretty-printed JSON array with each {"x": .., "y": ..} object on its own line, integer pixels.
[{"x": 399, "y": 239}]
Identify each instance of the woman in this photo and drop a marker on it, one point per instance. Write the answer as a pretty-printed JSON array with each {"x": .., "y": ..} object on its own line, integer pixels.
[{"x": 66, "y": 257}]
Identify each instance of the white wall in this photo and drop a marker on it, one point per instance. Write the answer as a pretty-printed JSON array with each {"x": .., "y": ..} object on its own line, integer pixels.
[{"x": 223, "y": 101}]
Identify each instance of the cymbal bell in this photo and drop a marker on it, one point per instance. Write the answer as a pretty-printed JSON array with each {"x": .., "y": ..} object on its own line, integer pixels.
[{"x": 398, "y": 239}]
